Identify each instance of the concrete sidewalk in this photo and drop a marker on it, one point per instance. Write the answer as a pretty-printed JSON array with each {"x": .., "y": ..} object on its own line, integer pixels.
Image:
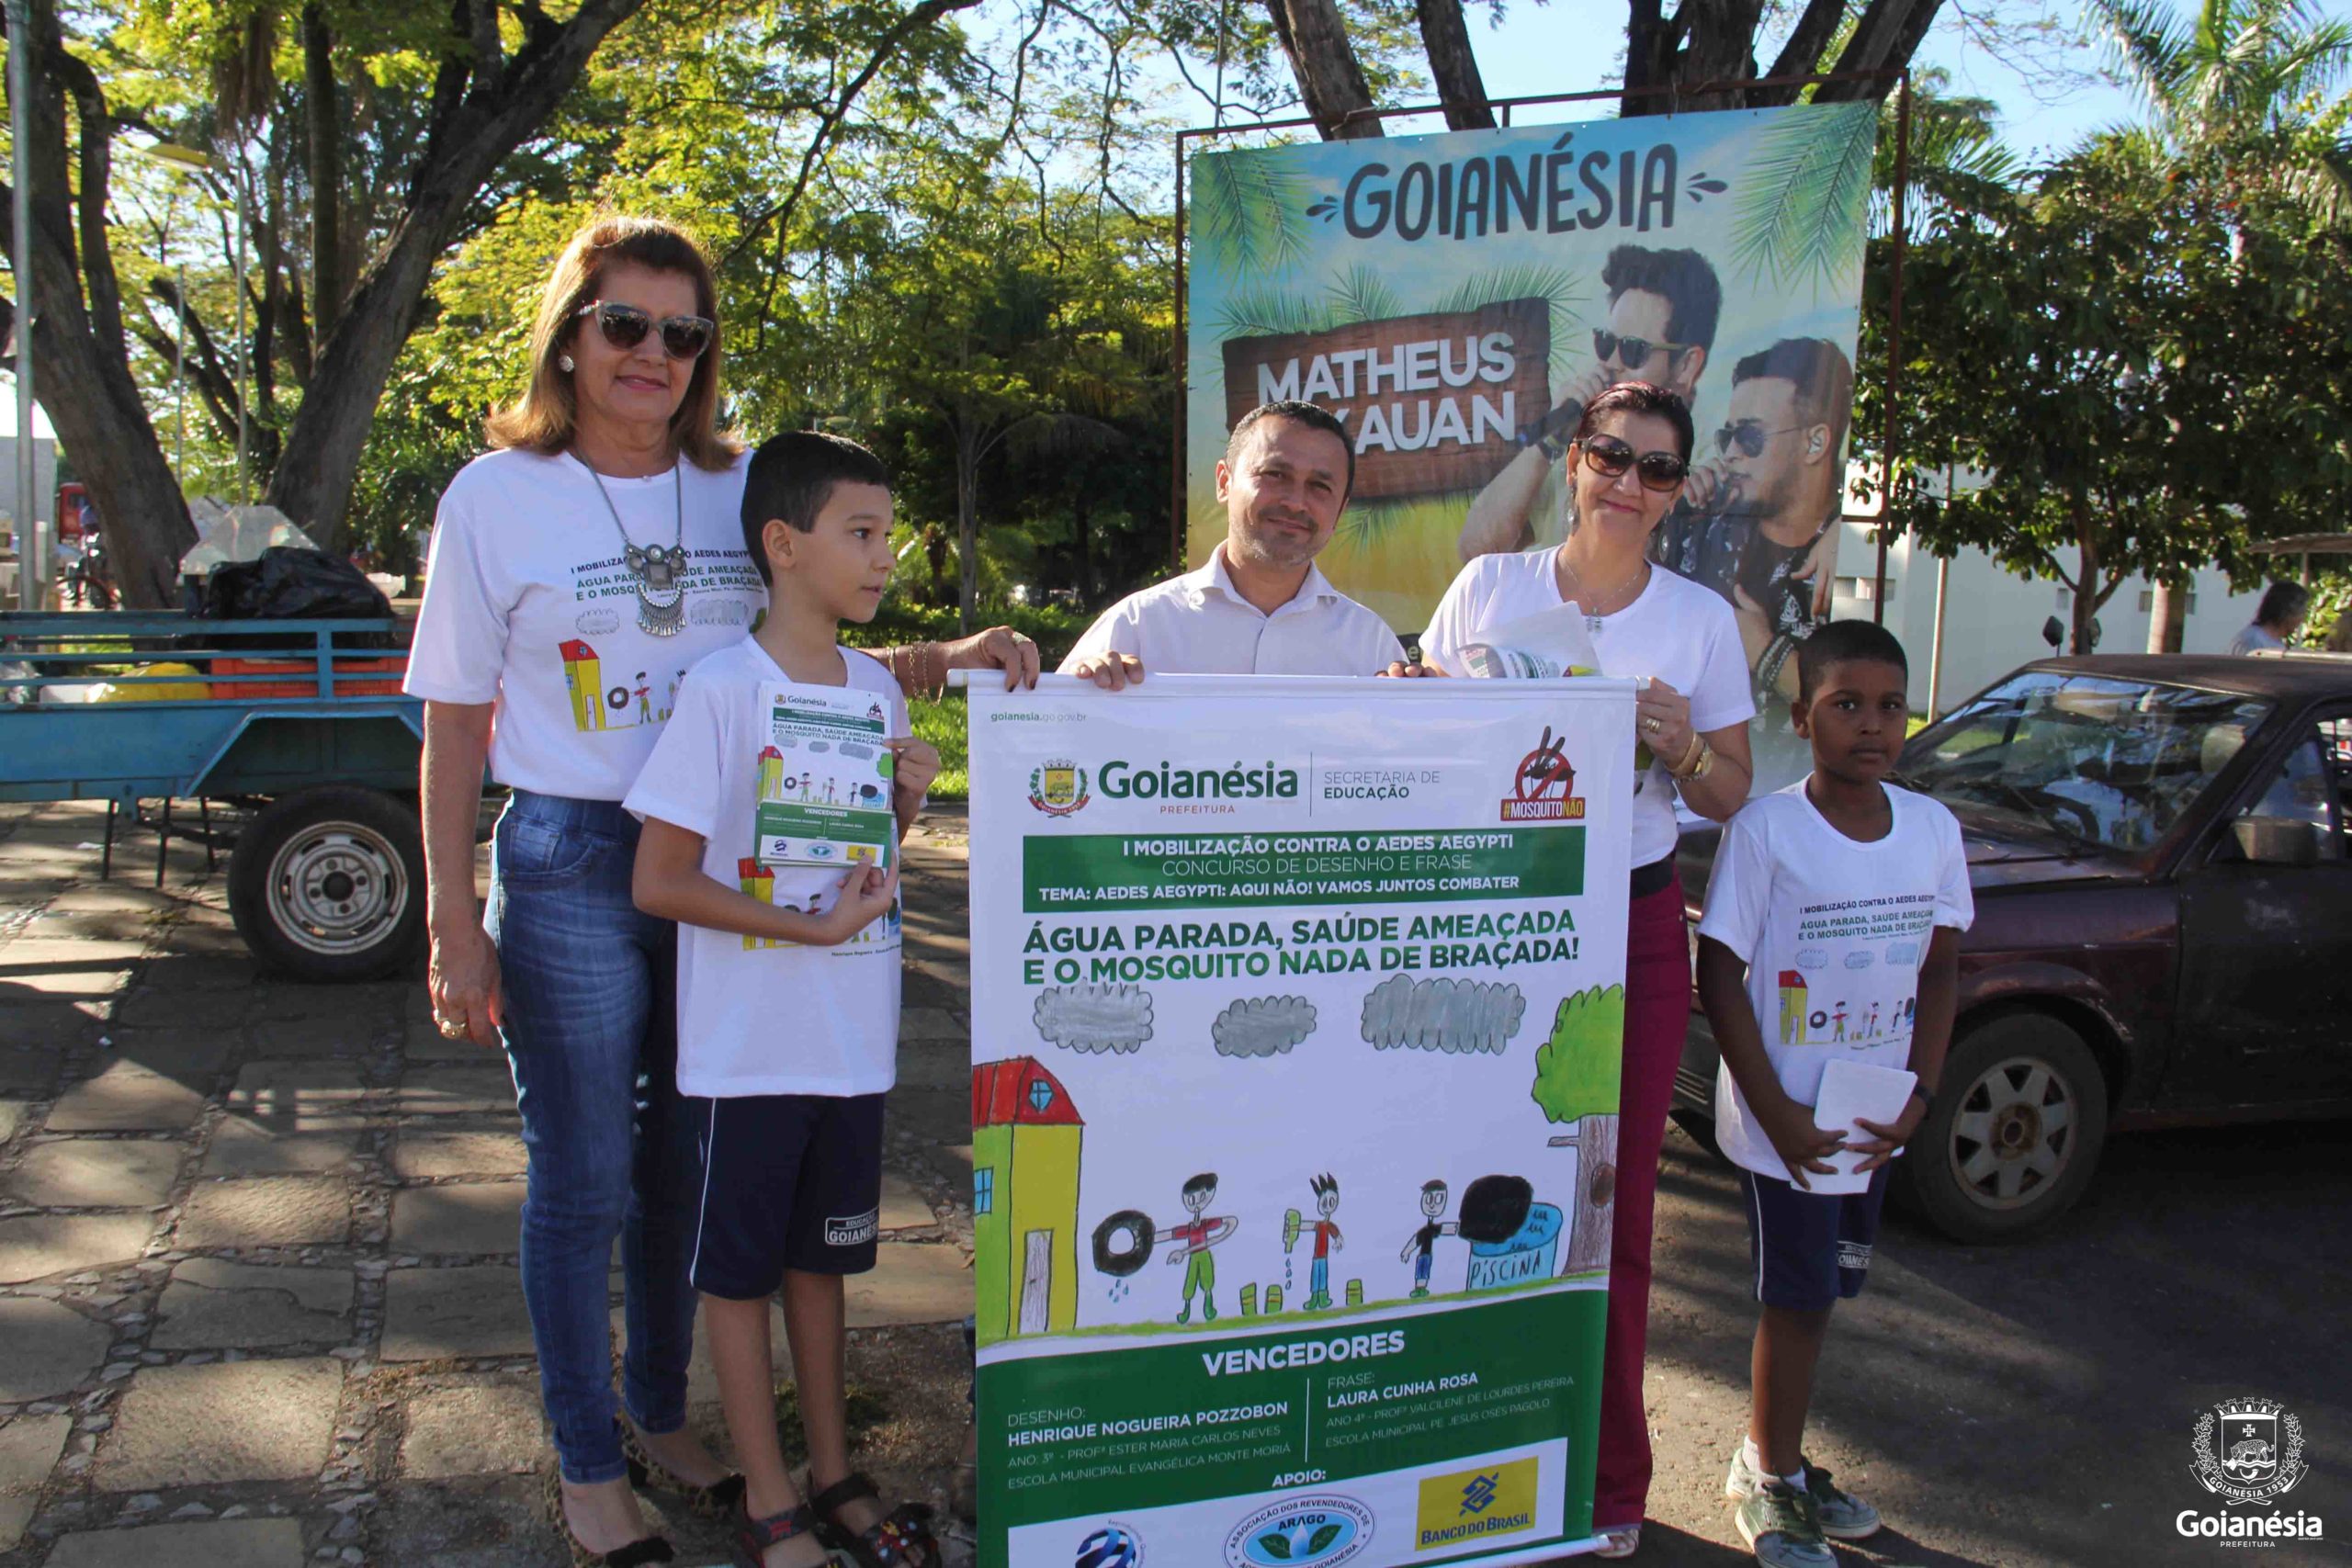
[{"x": 258, "y": 1296}]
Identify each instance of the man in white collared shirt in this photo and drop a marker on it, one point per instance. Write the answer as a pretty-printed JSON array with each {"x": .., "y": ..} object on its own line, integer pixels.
[{"x": 1259, "y": 607}]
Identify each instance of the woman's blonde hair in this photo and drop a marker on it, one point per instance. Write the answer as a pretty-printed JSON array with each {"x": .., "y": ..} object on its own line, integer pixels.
[{"x": 545, "y": 417}]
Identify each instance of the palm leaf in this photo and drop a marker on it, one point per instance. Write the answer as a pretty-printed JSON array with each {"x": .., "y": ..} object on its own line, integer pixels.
[
  {"x": 1361, "y": 294},
  {"x": 1527, "y": 280},
  {"x": 1804, "y": 194},
  {"x": 1248, "y": 212},
  {"x": 1270, "y": 312}
]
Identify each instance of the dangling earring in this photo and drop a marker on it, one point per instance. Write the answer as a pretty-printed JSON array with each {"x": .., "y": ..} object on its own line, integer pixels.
[{"x": 564, "y": 361}]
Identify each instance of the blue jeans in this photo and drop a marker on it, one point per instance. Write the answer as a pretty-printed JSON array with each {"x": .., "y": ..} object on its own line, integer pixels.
[{"x": 591, "y": 1033}]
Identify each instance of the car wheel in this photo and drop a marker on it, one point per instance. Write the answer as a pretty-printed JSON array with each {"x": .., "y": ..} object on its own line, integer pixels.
[
  {"x": 2014, "y": 1134},
  {"x": 329, "y": 885}
]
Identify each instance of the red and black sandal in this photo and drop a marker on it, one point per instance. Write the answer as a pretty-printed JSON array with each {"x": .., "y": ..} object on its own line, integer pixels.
[
  {"x": 901, "y": 1541},
  {"x": 749, "y": 1539}
]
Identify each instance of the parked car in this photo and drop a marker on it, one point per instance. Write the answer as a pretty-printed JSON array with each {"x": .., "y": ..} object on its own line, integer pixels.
[{"x": 2158, "y": 846}]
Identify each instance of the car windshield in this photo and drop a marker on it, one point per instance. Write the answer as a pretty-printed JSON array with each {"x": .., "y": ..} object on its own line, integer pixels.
[{"x": 2097, "y": 760}]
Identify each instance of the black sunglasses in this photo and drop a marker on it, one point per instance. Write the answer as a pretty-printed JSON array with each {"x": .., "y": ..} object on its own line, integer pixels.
[
  {"x": 625, "y": 326},
  {"x": 1607, "y": 455},
  {"x": 1636, "y": 352},
  {"x": 1749, "y": 436}
]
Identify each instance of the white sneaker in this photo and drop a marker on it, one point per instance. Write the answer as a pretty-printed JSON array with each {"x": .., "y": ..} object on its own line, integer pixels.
[{"x": 1842, "y": 1515}]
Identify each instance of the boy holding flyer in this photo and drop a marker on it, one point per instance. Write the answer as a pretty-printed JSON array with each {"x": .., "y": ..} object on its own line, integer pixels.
[
  {"x": 1833, "y": 912},
  {"x": 774, "y": 807}
]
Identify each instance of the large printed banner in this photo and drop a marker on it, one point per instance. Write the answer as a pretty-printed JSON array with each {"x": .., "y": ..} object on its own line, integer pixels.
[
  {"x": 1298, "y": 1012},
  {"x": 1455, "y": 298}
]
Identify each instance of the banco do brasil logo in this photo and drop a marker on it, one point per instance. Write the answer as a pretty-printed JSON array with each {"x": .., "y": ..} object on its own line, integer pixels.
[{"x": 1057, "y": 788}]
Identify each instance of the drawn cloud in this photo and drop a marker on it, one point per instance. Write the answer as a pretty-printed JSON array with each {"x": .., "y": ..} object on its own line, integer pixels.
[
  {"x": 1263, "y": 1026},
  {"x": 1094, "y": 1017},
  {"x": 1452, "y": 1016}
]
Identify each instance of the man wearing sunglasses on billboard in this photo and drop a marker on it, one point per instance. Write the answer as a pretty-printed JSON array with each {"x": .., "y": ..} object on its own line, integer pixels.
[
  {"x": 1766, "y": 540},
  {"x": 1663, "y": 307}
]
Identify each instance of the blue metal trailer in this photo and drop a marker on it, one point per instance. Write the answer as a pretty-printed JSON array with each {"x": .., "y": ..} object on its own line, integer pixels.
[{"x": 326, "y": 879}]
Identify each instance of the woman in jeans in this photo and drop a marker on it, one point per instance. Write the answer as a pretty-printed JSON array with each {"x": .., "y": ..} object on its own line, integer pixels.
[
  {"x": 1625, "y": 466},
  {"x": 578, "y": 569}
]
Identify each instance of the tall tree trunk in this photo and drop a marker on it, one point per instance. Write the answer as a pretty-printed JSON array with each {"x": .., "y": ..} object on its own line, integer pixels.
[
  {"x": 2086, "y": 578},
  {"x": 1884, "y": 40},
  {"x": 968, "y": 523},
  {"x": 2168, "y": 614},
  {"x": 1329, "y": 78},
  {"x": 83, "y": 379},
  {"x": 1445, "y": 36},
  {"x": 1705, "y": 41},
  {"x": 325, "y": 150},
  {"x": 1082, "y": 528}
]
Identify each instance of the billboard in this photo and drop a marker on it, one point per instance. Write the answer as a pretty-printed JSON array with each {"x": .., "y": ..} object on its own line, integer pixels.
[{"x": 1455, "y": 298}]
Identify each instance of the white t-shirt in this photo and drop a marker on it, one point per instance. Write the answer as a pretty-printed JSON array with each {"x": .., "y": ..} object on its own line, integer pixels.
[
  {"x": 1200, "y": 625},
  {"x": 1677, "y": 632},
  {"x": 1833, "y": 933},
  {"x": 530, "y": 606},
  {"x": 756, "y": 1016}
]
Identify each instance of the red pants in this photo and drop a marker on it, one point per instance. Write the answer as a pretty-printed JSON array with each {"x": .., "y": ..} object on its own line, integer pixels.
[{"x": 1657, "y": 1011}]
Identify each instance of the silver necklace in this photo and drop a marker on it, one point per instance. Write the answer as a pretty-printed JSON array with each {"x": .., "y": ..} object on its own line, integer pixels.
[
  {"x": 660, "y": 573},
  {"x": 1592, "y": 616}
]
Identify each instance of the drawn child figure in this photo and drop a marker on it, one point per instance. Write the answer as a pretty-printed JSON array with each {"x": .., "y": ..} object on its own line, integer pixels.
[
  {"x": 1420, "y": 1248},
  {"x": 1194, "y": 1238},
  {"x": 1327, "y": 1236},
  {"x": 644, "y": 700},
  {"x": 1840, "y": 1017}
]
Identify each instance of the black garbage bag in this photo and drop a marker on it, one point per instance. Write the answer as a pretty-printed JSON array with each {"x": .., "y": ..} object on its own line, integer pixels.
[{"x": 288, "y": 582}]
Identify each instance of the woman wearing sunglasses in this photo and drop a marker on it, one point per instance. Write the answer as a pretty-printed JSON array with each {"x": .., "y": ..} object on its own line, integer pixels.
[
  {"x": 1626, "y": 465},
  {"x": 578, "y": 569}
]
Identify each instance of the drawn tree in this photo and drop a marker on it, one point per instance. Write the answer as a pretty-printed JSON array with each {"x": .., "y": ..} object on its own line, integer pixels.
[{"x": 1576, "y": 1081}]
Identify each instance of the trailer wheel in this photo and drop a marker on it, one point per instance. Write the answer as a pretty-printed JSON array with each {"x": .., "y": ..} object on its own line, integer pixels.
[{"x": 329, "y": 885}]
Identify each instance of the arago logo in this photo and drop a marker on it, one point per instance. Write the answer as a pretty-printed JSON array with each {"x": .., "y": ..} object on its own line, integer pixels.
[
  {"x": 1058, "y": 788},
  {"x": 1472, "y": 1505},
  {"x": 1542, "y": 787},
  {"x": 2247, "y": 1451},
  {"x": 1300, "y": 1532}
]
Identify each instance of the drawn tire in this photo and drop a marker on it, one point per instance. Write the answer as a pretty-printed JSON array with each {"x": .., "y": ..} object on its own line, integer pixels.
[
  {"x": 2015, "y": 1133},
  {"x": 1123, "y": 1243},
  {"x": 329, "y": 885}
]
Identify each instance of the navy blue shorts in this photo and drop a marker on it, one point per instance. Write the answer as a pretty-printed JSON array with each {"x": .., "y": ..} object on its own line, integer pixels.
[
  {"x": 788, "y": 1181},
  {"x": 1808, "y": 1249}
]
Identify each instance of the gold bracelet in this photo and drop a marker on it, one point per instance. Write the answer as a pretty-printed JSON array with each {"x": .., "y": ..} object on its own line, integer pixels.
[{"x": 1693, "y": 760}]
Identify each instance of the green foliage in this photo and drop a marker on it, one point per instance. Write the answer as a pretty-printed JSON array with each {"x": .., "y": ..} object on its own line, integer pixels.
[
  {"x": 1577, "y": 1070},
  {"x": 1528, "y": 280}
]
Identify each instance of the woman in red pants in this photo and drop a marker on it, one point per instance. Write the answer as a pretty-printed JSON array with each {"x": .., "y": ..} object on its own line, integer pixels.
[{"x": 1626, "y": 464}]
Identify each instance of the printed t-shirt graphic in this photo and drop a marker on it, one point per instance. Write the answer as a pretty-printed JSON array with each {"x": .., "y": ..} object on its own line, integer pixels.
[
  {"x": 1833, "y": 932},
  {"x": 841, "y": 1034},
  {"x": 530, "y": 606}
]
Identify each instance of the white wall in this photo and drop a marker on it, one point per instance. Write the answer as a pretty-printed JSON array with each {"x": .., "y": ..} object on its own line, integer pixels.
[{"x": 1993, "y": 620}]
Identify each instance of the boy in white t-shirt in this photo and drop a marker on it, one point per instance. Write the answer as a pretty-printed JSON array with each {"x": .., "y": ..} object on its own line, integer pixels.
[
  {"x": 788, "y": 977},
  {"x": 1833, "y": 912}
]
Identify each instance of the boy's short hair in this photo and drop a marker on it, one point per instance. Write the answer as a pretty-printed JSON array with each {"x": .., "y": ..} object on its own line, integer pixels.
[
  {"x": 792, "y": 475},
  {"x": 1204, "y": 1182},
  {"x": 1325, "y": 1184},
  {"x": 1428, "y": 1187},
  {"x": 1841, "y": 642},
  {"x": 1687, "y": 281},
  {"x": 1315, "y": 416}
]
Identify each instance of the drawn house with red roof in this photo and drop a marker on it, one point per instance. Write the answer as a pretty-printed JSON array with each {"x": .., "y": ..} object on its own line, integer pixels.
[
  {"x": 770, "y": 773},
  {"x": 583, "y": 675},
  {"x": 1793, "y": 1002},
  {"x": 1025, "y": 1138}
]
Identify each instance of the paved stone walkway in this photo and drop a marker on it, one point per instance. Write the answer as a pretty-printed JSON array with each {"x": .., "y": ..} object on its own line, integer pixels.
[{"x": 258, "y": 1299}]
